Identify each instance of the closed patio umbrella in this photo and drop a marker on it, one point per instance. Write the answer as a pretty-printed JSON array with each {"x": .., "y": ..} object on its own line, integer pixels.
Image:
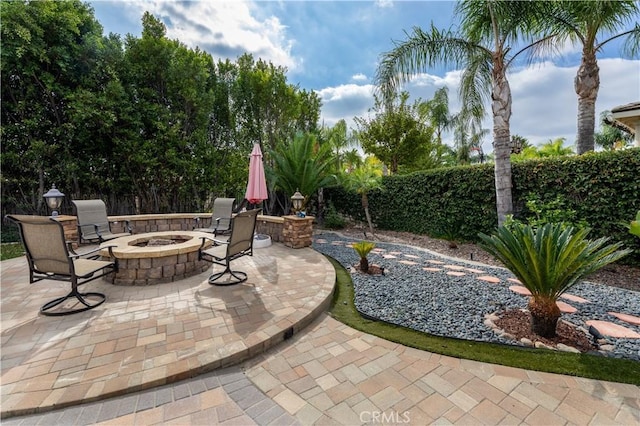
[
  {"x": 257, "y": 185},
  {"x": 257, "y": 190}
]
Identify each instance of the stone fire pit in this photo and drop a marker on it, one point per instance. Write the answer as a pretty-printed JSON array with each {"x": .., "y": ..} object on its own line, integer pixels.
[{"x": 157, "y": 257}]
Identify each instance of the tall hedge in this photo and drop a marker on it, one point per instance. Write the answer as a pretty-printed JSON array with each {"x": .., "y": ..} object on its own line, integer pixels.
[{"x": 603, "y": 188}]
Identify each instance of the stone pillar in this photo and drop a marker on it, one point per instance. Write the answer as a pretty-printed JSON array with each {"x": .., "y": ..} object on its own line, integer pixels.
[
  {"x": 70, "y": 226},
  {"x": 297, "y": 231}
]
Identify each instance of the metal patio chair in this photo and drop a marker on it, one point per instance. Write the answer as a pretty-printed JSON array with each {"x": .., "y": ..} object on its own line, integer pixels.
[
  {"x": 50, "y": 257},
  {"x": 220, "y": 218},
  {"x": 240, "y": 243},
  {"x": 93, "y": 224}
]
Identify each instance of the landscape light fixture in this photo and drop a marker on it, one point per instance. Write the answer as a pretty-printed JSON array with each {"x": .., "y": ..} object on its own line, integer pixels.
[
  {"x": 297, "y": 198},
  {"x": 54, "y": 199}
]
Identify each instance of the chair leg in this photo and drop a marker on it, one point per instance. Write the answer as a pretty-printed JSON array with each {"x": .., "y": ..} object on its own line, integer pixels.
[
  {"x": 239, "y": 276},
  {"x": 81, "y": 298}
]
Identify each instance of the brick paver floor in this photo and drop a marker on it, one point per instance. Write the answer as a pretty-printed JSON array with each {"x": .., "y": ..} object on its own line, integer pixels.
[
  {"x": 327, "y": 374},
  {"x": 143, "y": 337}
]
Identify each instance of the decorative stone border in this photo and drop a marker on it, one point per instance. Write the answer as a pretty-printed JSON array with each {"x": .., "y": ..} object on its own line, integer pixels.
[{"x": 489, "y": 321}]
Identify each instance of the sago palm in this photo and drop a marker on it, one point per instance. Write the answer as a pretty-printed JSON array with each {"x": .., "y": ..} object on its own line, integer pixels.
[
  {"x": 549, "y": 260},
  {"x": 363, "y": 248}
]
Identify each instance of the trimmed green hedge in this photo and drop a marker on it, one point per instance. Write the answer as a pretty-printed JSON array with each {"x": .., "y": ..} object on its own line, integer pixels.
[{"x": 457, "y": 203}]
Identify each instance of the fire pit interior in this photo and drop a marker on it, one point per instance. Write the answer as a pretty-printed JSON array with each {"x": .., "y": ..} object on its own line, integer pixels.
[{"x": 160, "y": 241}]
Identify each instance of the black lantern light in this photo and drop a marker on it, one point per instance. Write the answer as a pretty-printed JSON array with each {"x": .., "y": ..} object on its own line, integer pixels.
[{"x": 54, "y": 200}]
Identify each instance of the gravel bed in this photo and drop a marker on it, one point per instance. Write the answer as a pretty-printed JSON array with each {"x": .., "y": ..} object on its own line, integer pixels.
[{"x": 455, "y": 306}]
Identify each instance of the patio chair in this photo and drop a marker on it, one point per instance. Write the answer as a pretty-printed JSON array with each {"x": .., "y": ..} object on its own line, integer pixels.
[
  {"x": 240, "y": 243},
  {"x": 51, "y": 258},
  {"x": 220, "y": 218},
  {"x": 93, "y": 224}
]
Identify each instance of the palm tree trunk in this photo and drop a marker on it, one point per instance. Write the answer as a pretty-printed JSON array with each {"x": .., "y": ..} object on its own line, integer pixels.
[
  {"x": 364, "y": 265},
  {"x": 501, "y": 107},
  {"x": 587, "y": 83},
  {"x": 544, "y": 316},
  {"x": 365, "y": 205}
]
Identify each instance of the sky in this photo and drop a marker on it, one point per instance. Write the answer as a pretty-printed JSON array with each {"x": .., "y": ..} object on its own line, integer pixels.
[{"x": 333, "y": 48}]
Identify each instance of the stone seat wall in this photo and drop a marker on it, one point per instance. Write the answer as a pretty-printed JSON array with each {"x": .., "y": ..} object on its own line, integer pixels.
[{"x": 292, "y": 231}]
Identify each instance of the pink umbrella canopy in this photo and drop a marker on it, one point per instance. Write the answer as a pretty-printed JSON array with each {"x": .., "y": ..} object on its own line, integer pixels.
[{"x": 257, "y": 185}]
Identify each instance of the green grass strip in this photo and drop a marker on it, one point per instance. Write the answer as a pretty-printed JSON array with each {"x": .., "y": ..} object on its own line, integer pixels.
[
  {"x": 580, "y": 365},
  {"x": 10, "y": 250}
]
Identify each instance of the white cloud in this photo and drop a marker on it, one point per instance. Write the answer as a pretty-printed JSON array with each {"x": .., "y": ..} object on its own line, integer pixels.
[
  {"x": 359, "y": 77},
  {"x": 226, "y": 29},
  {"x": 382, "y": 4},
  {"x": 345, "y": 102}
]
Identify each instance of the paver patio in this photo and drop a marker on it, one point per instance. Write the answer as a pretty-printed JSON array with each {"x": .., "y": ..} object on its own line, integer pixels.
[{"x": 328, "y": 373}]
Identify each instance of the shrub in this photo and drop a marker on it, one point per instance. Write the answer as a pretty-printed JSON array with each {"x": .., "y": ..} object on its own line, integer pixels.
[
  {"x": 333, "y": 219},
  {"x": 600, "y": 189}
]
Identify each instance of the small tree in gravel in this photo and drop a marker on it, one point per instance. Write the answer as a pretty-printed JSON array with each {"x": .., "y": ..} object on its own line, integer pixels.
[
  {"x": 363, "y": 248},
  {"x": 548, "y": 260}
]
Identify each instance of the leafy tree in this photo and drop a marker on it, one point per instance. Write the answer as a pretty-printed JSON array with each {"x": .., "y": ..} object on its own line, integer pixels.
[
  {"x": 48, "y": 50},
  {"x": 266, "y": 108},
  {"x": 143, "y": 118},
  {"x": 591, "y": 25},
  {"x": 170, "y": 86},
  {"x": 484, "y": 48},
  {"x": 395, "y": 134}
]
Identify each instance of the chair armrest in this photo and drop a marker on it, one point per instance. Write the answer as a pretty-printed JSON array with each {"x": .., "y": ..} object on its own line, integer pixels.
[
  {"x": 97, "y": 228},
  {"x": 215, "y": 242},
  {"x": 70, "y": 248},
  {"x": 97, "y": 249}
]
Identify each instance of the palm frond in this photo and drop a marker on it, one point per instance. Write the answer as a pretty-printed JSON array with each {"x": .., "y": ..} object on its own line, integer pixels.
[
  {"x": 420, "y": 51},
  {"x": 550, "y": 259}
]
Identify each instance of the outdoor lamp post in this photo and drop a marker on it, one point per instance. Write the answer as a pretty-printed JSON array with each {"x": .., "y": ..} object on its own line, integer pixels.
[
  {"x": 54, "y": 200},
  {"x": 297, "y": 198}
]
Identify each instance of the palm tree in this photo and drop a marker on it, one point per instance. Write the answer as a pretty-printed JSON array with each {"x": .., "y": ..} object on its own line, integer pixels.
[
  {"x": 436, "y": 112},
  {"x": 483, "y": 48},
  {"x": 584, "y": 23},
  {"x": 363, "y": 180},
  {"x": 468, "y": 135},
  {"x": 363, "y": 248},
  {"x": 549, "y": 260},
  {"x": 555, "y": 148},
  {"x": 300, "y": 165}
]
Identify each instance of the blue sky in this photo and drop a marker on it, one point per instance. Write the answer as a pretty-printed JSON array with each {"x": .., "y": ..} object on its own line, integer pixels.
[{"x": 333, "y": 47}]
